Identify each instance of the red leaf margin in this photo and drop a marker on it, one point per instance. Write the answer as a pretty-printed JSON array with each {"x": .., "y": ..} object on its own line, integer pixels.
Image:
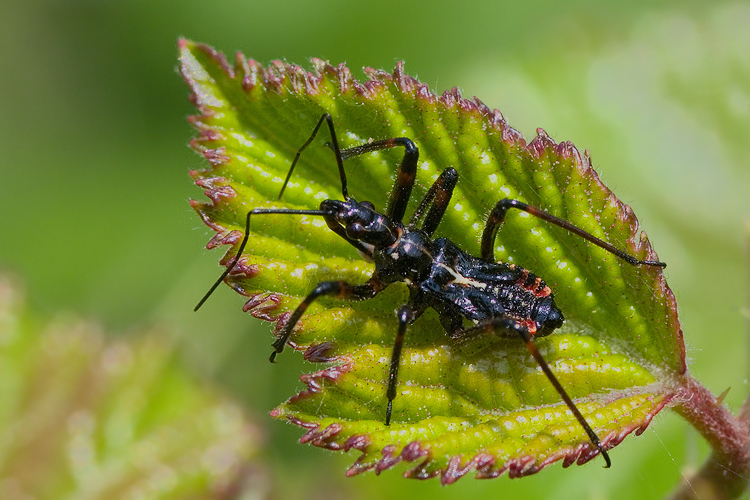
[{"x": 485, "y": 465}]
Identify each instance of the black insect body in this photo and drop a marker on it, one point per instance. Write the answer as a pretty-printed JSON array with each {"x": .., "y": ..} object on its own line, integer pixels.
[
  {"x": 462, "y": 286},
  {"x": 491, "y": 297}
]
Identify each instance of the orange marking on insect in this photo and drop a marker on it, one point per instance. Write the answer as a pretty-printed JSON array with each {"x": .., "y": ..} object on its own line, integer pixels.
[
  {"x": 530, "y": 326},
  {"x": 540, "y": 289}
]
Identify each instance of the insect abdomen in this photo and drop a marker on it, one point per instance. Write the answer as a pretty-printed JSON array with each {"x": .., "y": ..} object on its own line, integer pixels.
[{"x": 480, "y": 291}]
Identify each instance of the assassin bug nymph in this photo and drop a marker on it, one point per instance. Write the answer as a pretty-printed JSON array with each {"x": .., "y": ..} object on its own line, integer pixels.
[{"x": 497, "y": 298}]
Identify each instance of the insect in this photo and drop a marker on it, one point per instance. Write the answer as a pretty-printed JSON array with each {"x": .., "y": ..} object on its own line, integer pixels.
[{"x": 472, "y": 295}]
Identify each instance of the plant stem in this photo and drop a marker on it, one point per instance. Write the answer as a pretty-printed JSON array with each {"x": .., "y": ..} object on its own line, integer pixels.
[{"x": 725, "y": 475}]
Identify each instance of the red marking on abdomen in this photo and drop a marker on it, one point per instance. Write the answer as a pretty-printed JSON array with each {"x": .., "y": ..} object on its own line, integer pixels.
[
  {"x": 530, "y": 326},
  {"x": 538, "y": 287}
]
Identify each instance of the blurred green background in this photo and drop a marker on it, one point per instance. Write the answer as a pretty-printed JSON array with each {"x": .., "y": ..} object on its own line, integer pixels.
[{"x": 93, "y": 140}]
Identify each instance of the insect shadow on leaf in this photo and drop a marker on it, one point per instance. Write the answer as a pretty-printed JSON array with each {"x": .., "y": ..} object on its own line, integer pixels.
[{"x": 471, "y": 295}]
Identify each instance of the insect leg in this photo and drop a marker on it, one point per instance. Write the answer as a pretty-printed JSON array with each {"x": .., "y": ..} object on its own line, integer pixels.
[
  {"x": 339, "y": 289},
  {"x": 405, "y": 316},
  {"x": 513, "y": 326},
  {"x": 407, "y": 172},
  {"x": 334, "y": 145},
  {"x": 440, "y": 196},
  {"x": 497, "y": 217}
]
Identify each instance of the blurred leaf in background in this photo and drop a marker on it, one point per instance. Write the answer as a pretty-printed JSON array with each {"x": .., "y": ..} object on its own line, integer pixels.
[
  {"x": 83, "y": 417},
  {"x": 95, "y": 160}
]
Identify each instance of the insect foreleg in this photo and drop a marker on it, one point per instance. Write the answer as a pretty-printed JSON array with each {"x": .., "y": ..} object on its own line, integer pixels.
[
  {"x": 339, "y": 289},
  {"x": 407, "y": 172}
]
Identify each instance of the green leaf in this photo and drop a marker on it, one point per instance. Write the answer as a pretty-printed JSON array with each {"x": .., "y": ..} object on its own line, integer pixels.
[
  {"x": 85, "y": 417},
  {"x": 484, "y": 405}
]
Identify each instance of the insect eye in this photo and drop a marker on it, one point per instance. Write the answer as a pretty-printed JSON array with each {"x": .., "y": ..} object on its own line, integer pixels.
[{"x": 355, "y": 231}]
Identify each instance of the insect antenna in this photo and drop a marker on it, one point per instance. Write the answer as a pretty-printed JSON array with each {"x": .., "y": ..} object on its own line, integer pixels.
[
  {"x": 245, "y": 239},
  {"x": 334, "y": 145}
]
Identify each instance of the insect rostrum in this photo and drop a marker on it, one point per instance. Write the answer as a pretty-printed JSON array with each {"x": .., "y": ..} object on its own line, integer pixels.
[{"x": 473, "y": 296}]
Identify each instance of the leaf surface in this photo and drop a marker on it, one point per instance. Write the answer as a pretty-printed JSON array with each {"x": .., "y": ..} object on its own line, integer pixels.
[{"x": 482, "y": 405}]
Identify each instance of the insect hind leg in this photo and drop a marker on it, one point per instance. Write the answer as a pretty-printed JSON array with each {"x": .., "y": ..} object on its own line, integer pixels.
[
  {"x": 497, "y": 217},
  {"x": 505, "y": 325}
]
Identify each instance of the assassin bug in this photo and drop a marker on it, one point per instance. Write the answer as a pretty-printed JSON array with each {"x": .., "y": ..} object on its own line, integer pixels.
[{"x": 494, "y": 297}]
